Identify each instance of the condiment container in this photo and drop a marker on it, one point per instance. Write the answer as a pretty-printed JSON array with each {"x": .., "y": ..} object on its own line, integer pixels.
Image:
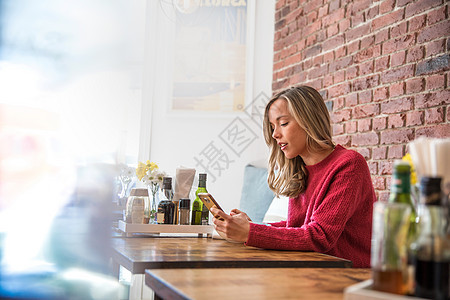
[{"x": 136, "y": 206}]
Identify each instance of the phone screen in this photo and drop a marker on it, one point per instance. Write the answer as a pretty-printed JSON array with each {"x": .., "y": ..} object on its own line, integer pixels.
[{"x": 210, "y": 202}]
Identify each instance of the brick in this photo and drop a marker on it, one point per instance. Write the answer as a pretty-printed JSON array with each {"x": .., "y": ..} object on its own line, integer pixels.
[
  {"x": 432, "y": 99},
  {"x": 367, "y": 41},
  {"x": 353, "y": 47},
  {"x": 414, "y": 118},
  {"x": 435, "y": 47},
  {"x": 334, "y": 5},
  {"x": 341, "y": 115},
  {"x": 332, "y": 30},
  {"x": 333, "y": 43},
  {"x": 379, "y": 123},
  {"x": 328, "y": 57},
  {"x": 373, "y": 167},
  {"x": 366, "y": 68},
  {"x": 400, "y": 43},
  {"x": 359, "y": 5},
  {"x": 398, "y": 30},
  {"x": 436, "y": 15},
  {"x": 435, "y": 81},
  {"x": 396, "y": 89},
  {"x": 351, "y": 99},
  {"x": 385, "y": 168},
  {"x": 415, "y": 54},
  {"x": 396, "y": 121},
  {"x": 343, "y": 140},
  {"x": 395, "y": 152},
  {"x": 340, "y": 64},
  {"x": 364, "y": 111},
  {"x": 338, "y": 129},
  {"x": 383, "y": 196},
  {"x": 396, "y": 136},
  {"x": 350, "y": 127},
  {"x": 365, "y": 152},
  {"x": 434, "y": 115},
  {"x": 365, "y": 139},
  {"x": 387, "y": 6},
  {"x": 416, "y": 23},
  {"x": 357, "y": 32},
  {"x": 327, "y": 80},
  {"x": 378, "y": 183},
  {"x": 366, "y": 82},
  {"x": 339, "y": 90},
  {"x": 387, "y": 19},
  {"x": 368, "y": 53},
  {"x": 434, "y": 131},
  {"x": 397, "y": 105},
  {"x": 317, "y": 72},
  {"x": 397, "y": 74},
  {"x": 372, "y": 12},
  {"x": 434, "y": 31},
  {"x": 280, "y": 24},
  {"x": 364, "y": 125},
  {"x": 420, "y": 6},
  {"x": 312, "y": 5},
  {"x": 351, "y": 72},
  {"x": 382, "y": 63},
  {"x": 365, "y": 97},
  {"x": 323, "y": 11},
  {"x": 381, "y": 94},
  {"x": 415, "y": 85},
  {"x": 333, "y": 17},
  {"x": 344, "y": 25},
  {"x": 339, "y": 103},
  {"x": 357, "y": 19},
  {"x": 382, "y": 36},
  {"x": 434, "y": 65},
  {"x": 398, "y": 59},
  {"x": 379, "y": 152},
  {"x": 339, "y": 76},
  {"x": 340, "y": 52}
]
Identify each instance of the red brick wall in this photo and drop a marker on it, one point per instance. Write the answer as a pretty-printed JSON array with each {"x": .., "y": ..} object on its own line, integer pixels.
[{"x": 381, "y": 66}]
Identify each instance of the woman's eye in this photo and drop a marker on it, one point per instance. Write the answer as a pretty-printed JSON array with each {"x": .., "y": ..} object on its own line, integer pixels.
[{"x": 284, "y": 124}]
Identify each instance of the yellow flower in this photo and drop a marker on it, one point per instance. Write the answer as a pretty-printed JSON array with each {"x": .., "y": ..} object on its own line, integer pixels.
[
  {"x": 153, "y": 166},
  {"x": 141, "y": 170},
  {"x": 408, "y": 158}
]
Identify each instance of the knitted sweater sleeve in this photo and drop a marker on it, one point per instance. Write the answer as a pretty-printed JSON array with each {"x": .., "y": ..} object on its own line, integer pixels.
[{"x": 336, "y": 202}]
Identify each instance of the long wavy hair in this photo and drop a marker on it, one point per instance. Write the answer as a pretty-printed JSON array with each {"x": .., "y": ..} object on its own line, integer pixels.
[{"x": 288, "y": 177}]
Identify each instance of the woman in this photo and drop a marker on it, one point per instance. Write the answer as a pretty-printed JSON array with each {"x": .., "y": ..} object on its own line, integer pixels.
[{"x": 330, "y": 188}]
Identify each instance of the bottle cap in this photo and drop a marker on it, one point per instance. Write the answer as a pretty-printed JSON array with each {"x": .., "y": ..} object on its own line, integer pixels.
[
  {"x": 202, "y": 177},
  {"x": 185, "y": 203},
  {"x": 167, "y": 182},
  {"x": 430, "y": 188},
  {"x": 402, "y": 166}
]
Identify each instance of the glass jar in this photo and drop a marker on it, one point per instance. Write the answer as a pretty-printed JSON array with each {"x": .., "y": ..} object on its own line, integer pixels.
[
  {"x": 136, "y": 204},
  {"x": 185, "y": 204}
]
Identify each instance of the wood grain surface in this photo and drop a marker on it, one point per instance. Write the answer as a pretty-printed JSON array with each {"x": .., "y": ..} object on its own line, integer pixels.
[
  {"x": 272, "y": 283},
  {"x": 137, "y": 254}
]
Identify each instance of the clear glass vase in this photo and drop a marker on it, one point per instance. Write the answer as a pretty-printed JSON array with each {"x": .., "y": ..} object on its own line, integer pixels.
[{"x": 152, "y": 206}]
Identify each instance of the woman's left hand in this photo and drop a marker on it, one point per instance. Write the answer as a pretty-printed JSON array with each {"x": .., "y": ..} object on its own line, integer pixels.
[{"x": 235, "y": 227}]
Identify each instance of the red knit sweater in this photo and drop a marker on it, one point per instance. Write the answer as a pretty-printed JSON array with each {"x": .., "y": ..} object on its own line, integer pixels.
[{"x": 333, "y": 215}]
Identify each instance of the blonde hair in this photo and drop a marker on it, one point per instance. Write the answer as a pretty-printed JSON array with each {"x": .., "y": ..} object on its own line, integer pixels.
[{"x": 288, "y": 177}]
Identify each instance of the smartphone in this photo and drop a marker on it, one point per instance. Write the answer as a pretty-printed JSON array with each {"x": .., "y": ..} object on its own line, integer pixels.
[{"x": 210, "y": 202}]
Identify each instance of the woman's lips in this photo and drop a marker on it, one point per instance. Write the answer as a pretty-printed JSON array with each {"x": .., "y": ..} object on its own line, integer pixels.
[{"x": 283, "y": 146}]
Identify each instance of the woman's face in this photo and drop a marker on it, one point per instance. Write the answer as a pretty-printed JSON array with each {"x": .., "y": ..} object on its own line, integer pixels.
[{"x": 290, "y": 137}]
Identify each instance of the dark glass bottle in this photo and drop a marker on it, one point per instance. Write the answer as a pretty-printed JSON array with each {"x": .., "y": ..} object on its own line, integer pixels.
[
  {"x": 197, "y": 204},
  {"x": 431, "y": 251},
  {"x": 166, "y": 207}
]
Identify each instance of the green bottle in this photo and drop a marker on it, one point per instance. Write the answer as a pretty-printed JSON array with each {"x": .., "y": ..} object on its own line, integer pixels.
[
  {"x": 197, "y": 205},
  {"x": 401, "y": 193}
]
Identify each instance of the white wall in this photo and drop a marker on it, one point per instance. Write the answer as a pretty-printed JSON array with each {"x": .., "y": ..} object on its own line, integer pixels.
[{"x": 172, "y": 140}]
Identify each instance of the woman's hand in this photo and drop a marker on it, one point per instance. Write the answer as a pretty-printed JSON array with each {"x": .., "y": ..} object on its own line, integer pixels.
[{"x": 235, "y": 226}]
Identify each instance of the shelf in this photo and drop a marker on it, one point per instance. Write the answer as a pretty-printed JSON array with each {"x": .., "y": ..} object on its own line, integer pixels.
[{"x": 165, "y": 229}]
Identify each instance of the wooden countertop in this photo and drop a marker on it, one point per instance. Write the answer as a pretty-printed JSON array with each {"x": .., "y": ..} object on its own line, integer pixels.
[
  {"x": 273, "y": 283},
  {"x": 137, "y": 254}
]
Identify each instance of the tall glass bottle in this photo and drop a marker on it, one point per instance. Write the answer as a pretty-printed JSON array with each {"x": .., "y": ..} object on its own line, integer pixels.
[
  {"x": 401, "y": 193},
  {"x": 166, "y": 207},
  {"x": 431, "y": 251},
  {"x": 197, "y": 205}
]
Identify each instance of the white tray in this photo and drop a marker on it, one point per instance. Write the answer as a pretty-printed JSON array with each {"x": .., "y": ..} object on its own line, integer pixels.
[
  {"x": 363, "y": 290},
  {"x": 157, "y": 229}
]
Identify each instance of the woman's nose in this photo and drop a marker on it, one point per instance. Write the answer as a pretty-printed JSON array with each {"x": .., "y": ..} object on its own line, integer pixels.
[{"x": 275, "y": 133}]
